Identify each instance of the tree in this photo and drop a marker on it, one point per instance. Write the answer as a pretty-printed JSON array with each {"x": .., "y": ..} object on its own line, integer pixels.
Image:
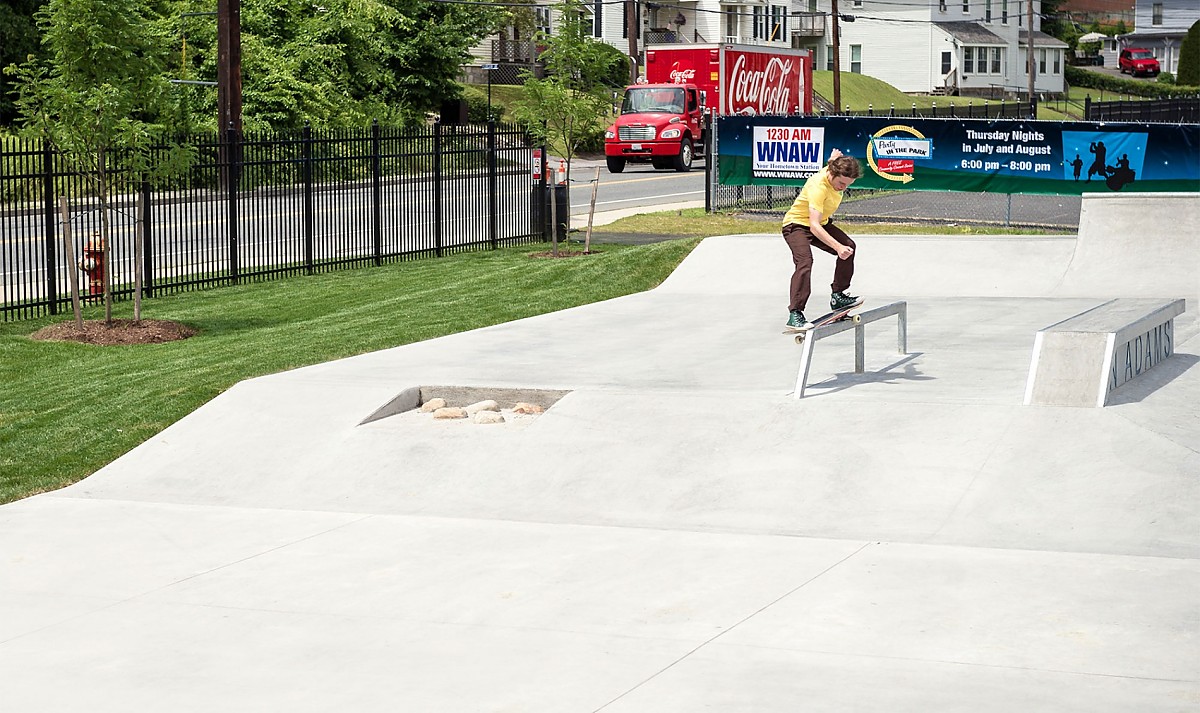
[
  {"x": 1189, "y": 58},
  {"x": 563, "y": 108},
  {"x": 339, "y": 63},
  {"x": 95, "y": 97}
]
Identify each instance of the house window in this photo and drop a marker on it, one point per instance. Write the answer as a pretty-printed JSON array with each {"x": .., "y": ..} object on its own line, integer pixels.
[
  {"x": 812, "y": 5},
  {"x": 759, "y": 24},
  {"x": 942, "y": 5},
  {"x": 828, "y": 58},
  {"x": 987, "y": 11},
  {"x": 997, "y": 54},
  {"x": 731, "y": 22},
  {"x": 1058, "y": 61},
  {"x": 542, "y": 18},
  {"x": 968, "y": 60},
  {"x": 946, "y": 57},
  {"x": 779, "y": 23},
  {"x": 857, "y": 3},
  {"x": 856, "y": 59},
  {"x": 966, "y": 6},
  {"x": 1041, "y": 61},
  {"x": 1003, "y": 12},
  {"x": 1156, "y": 13},
  {"x": 597, "y": 25}
]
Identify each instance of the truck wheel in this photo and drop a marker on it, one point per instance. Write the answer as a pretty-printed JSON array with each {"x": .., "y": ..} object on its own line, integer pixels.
[
  {"x": 683, "y": 162},
  {"x": 616, "y": 164}
]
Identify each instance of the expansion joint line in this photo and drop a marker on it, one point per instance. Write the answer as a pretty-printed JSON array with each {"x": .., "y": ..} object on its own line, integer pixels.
[{"x": 736, "y": 624}]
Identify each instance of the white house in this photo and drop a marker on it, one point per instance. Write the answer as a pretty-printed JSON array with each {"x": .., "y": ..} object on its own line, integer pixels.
[
  {"x": 968, "y": 47},
  {"x": 1160, "y": 26}
]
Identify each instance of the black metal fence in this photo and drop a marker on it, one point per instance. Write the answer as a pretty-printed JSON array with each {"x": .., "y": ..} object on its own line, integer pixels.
[
  {"x": 953, "y": 108},
  {"x": 1167, "y": 111},
  {"x": 259, "y": 207}
]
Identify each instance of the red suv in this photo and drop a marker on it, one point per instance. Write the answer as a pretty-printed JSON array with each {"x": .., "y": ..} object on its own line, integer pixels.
[{"x": 1136, "y": 60}]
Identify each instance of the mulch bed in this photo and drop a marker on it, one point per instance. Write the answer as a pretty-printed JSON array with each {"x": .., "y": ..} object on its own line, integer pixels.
[{"x": 121, "y": 331}]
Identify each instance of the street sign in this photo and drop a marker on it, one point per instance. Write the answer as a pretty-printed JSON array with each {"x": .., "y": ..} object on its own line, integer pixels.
[{"x": 491, "y": 66}]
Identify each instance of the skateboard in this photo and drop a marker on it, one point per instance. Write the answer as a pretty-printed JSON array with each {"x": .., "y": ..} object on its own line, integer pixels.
[{"x": 837, "y": 315}]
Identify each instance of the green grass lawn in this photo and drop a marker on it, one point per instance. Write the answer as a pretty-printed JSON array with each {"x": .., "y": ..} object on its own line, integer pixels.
[{"x": 67, "y": 409}]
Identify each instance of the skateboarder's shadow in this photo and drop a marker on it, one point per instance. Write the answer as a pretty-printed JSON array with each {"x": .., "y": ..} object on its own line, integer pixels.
[{"x": 887, "y": 375}]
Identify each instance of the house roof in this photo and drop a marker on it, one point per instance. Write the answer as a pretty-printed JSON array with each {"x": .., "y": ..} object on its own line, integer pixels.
[
  {"x": 971, "y": 33},
  {"x": 1041, "y": 39}
]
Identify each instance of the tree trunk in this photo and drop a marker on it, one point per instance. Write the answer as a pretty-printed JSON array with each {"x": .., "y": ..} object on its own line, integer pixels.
[
  {"x": 138, "y": 250},
  {"x": 105, "y": 234}
]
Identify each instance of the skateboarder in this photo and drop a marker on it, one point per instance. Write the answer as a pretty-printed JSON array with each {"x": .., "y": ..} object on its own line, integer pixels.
[{"x": 809, "y": 224}]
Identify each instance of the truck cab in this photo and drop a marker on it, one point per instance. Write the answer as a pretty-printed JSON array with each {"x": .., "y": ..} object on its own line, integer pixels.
[{"x": 660, "y": 124}]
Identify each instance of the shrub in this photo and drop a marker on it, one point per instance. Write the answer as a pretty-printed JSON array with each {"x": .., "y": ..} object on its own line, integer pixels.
[
  {"x": 1166, "y": 78},
  {"x": 477, "y": 105},
  {"x": 1078, "y": 77},
  {"x": 1189, "y": 56}
]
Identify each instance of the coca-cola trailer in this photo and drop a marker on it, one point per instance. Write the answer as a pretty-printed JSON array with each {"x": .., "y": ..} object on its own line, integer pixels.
[{"x": 662, "y": 117}]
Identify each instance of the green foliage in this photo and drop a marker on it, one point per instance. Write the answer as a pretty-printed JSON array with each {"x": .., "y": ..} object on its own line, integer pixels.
[
  {"x": 477, "y": 105},
  {"x": 1121, "y": 28},
  {"x": 1189, "y": 57},
  {"x": 99, "y": 88},
  {"x": 18, "y": 40},
  {"x": 564, "y": 108},
  {"x": 1166, "y": 78},
  {"x": 338, "y": 64},
  {"x": 617, "y": 62}
]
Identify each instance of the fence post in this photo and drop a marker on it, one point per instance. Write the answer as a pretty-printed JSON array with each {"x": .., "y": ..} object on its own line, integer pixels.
[
  {"x": 376, "y": 193},
  {"x": 232, "y": 151},
  {"x": 50, "y": 218},
  {"x": 493, "y": 230},
  {"x": 147, "y": 242},
  {"x": 437, "y": 187},
  {"x": 308, "y": 198},
  {"x": 710, "y": 157}
]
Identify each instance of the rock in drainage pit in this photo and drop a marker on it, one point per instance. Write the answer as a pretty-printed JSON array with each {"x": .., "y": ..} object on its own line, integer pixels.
[{"x": 482, "y": 405}]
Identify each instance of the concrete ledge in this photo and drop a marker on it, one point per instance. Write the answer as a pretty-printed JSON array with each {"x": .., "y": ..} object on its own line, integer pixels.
[{"x": 1081, "y": 360}]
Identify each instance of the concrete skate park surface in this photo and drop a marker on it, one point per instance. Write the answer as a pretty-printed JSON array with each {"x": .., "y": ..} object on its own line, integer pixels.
[{"x": 676, "y": 533}]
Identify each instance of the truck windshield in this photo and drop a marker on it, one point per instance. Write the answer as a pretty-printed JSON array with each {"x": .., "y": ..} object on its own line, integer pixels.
[
  {"x": 642, "y": 100},
  {"x": 1144, "y": 54}
]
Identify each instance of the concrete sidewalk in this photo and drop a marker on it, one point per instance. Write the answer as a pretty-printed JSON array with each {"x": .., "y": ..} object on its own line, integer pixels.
[{"x": 675, "y": 534}]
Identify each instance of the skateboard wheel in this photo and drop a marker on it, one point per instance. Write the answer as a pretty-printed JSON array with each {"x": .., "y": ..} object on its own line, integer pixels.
[
  {"x": 857, "y": 319},
  {"x": 799, "y": 338}
]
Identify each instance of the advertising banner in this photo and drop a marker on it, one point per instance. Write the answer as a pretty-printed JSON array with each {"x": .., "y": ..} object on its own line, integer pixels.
[
  {"x": 977, "y": 155},
  {"x": 762, "y": 82}
]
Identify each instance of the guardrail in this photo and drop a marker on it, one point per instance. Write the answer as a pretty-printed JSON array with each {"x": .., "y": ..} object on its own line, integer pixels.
[{"x": 858, "y": 323}]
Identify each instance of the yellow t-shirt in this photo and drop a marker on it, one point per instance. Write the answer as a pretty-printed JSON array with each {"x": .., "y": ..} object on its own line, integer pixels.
[{"x": 817, "y": 193}]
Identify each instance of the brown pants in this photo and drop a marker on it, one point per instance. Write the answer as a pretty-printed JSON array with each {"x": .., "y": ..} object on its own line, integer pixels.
[{"x": 799, "y": 238}]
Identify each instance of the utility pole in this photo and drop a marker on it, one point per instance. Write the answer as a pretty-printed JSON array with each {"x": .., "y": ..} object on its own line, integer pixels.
[
  {"x": 229, "y": 65},
  {"x": 632, "y": 25},
  {"x": 1029, "y": 58},
  {"x": 837, "y": 61}
]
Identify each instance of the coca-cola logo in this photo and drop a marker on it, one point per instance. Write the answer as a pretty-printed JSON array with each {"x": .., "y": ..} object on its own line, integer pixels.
[
  {"x": 682, "y": 76},
  {"x": 768, "y": 90}
]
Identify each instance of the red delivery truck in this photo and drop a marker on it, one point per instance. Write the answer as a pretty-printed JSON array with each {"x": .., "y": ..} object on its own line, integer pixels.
[{"x": 662, "y": 118}]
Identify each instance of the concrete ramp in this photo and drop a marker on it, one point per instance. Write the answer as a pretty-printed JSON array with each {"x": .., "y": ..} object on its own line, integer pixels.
[{"x": 1136, "y": 245}]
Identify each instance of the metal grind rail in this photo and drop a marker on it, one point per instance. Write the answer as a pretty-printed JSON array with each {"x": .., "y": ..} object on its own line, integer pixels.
[{"x": 858, "y": 323}]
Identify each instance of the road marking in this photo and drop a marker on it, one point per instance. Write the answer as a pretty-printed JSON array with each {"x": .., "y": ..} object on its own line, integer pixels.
[{"x": 650, "y": 206}]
